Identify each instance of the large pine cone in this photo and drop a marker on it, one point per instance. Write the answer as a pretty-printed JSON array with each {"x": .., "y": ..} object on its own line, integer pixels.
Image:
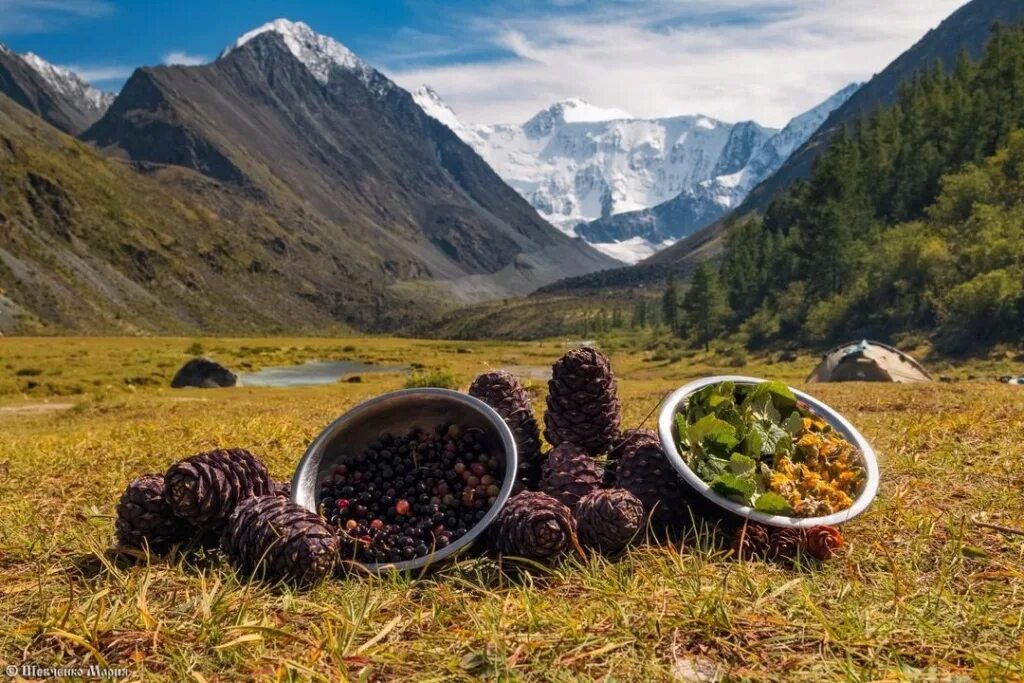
[
  {"x": 583, "y": 406},
  {"x": 629, "y": 439},
  {"x": 569, "y": 474},
  {"x": 205, "y": 488},
  {"x": 823, "y": 541},
  {"x": 608, "y": 520},
  {"x": 535, "y": 526},
  {"x": 145, "y": 519},
  {"x": 752, "y": 541},
  {"x": 278, "y": 540},
  {"x": 503, "y": 392},
  {"x": 643, "y": 469}
]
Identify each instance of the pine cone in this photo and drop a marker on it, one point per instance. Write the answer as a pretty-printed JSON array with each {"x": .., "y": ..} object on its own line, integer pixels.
[
  {"x": 785, "y": 543},
  {"x": 503, "y": 392},
  {"x": 751, "y": 541},
  {"x": 535, "y": 526},
  {"x": 144, "y": 517},
  {"x": 630, "y": 439},
  {"x": 823, "y": 541},
  {"x": 205, "y": 488},
  {"x": 583, "y": 408},
  {"x": 278, "y": 540},
  {"x": 569, "y": 474},
  {"x": 644, "y": 470},
  {"x": 608, "y": 519},
  {"x": 281, "y": 488}
]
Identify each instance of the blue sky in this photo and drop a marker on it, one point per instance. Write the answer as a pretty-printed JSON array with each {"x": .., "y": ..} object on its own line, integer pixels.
[{"x": 501, "y": 61}]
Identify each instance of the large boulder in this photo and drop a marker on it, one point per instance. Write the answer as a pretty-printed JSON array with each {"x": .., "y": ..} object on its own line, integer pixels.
[{"x": 205, "y": 374}]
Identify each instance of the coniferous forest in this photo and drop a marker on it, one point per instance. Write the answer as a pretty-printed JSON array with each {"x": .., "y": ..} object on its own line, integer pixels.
[{"x": 911, "y": 221}]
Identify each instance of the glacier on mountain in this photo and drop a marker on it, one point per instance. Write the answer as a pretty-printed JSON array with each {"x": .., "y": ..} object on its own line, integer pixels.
[{"x": 581, "y": 165}]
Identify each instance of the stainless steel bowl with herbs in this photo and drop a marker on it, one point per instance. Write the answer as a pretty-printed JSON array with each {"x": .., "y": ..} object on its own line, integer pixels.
[{"x": 767, "y": 452}]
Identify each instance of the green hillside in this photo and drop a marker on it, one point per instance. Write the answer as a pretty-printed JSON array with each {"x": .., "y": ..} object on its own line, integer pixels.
[{"x": 912, "y": 221}]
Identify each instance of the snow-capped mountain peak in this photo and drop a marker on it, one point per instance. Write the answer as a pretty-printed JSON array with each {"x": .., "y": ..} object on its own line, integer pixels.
[
  {"x": 596, "y": 172},
  {"x": 68, "y": 84},
  {"x": 431, "y": 103},
  {"x": 319, "y": 53}
]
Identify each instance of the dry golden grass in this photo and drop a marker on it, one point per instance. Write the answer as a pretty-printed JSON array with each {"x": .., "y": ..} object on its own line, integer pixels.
[{"x": 919, "y": 593}]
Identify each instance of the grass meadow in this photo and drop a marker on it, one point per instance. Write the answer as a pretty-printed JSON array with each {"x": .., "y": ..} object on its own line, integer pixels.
[{"x": 930, "y": 585}]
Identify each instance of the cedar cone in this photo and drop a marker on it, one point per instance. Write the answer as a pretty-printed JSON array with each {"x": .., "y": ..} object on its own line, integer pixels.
[
  {"x": 608, "y": 519},
  {"x": 278, "y": 540},
  {"x": 144, "y": 517},
  {"x": 281, "y": 488},
  {"x": 644, "y": 470},
  {"x": 569, "y": 474},
  {"x": 535, "y": 526},
  {"x": 583, "y": 408},
  {"x": 503, "y": 392},
  {"x": 205, "y": 488},
  {"x": 823, "y": 541},
  {"x": 751, "y": 541},
  {"x": 628, "y": 440},
  {"x": 785, "y": 543}
]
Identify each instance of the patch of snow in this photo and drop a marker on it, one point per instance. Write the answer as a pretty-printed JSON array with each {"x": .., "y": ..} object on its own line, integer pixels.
[
  {"x": 632, "y": 250},
  {"x": 69, "y": 84},
  {"x": 578, "y": 110}
]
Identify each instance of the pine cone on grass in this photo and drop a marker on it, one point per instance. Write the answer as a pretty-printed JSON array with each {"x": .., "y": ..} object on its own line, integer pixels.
[
  {"x": 569, "y": 474},
  {"x": 785, "y": 543},
  {"x": 823, "y": 541},
  {"x": 643, "y": 469},
  {"x": 608, "y": 519},
  {"x": 503, "y": 392},
  {"x": 751, "y": 541},
  {"x": 145, "y": 519},
  {"x": 204, "y": 489},
  {"x": 535, "y": 526},
  {"x": 583, "y": 405},
  {"x": 278, "y": 540}
]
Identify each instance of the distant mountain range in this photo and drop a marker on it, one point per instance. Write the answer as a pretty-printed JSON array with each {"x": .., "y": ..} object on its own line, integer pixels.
[
  {"x": 57, "y": 95},
  {"x": 358, "y": 206},
  {"x": 631, "y": 186},
  {"x": 966, "y": 30}
]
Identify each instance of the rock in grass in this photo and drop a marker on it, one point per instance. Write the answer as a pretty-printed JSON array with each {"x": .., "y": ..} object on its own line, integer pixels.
[{"x": 203, "y": 373}]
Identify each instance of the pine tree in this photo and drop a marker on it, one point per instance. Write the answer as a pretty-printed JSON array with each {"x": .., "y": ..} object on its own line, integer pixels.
[
  {"x": 705, "y": 307},
  {"x": 670, "y": 305}
]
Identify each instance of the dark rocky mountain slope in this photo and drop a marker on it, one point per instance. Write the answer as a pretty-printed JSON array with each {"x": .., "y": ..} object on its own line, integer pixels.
[{"x": 345, "y": 158}]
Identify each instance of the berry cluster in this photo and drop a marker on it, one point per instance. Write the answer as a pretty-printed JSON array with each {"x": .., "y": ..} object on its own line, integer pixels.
[{"x": 407, "y": 496}]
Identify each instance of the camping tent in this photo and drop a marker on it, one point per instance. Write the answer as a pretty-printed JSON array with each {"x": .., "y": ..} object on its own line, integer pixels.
[{"x": 868, "y": 361}]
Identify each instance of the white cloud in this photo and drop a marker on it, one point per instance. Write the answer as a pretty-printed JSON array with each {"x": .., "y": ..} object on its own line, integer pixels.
[
  {"x": 40, "y": 16},
  {"x": 97, "y": 73},
  {"x": 179, "y": 58},
  {"x": 766, "y": 60}
]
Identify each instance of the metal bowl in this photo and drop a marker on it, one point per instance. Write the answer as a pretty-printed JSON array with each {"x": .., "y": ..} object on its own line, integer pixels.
[
  {"x": 667, "y": 432},
  {"x": 398, "y": 413}
]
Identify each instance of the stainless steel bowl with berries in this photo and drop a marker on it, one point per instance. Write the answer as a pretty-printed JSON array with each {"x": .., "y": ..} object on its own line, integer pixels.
[{"x": 410, "y": 478}]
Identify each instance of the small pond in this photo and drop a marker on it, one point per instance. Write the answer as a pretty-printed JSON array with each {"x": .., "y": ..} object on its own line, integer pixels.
[{"x": 311, "y": 373}]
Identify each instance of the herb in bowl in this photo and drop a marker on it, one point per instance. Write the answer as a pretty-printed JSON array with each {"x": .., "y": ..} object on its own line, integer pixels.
[{"x": 757, "y": 445}]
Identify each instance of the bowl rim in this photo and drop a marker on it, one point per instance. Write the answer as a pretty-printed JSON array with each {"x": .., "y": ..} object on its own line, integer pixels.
[
  {"x": 666, "y": 424},
  {"x": 359, "y": 411}
]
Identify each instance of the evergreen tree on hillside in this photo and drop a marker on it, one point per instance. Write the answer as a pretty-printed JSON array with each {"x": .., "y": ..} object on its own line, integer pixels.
[
  {"x": 705, "y": 306},
  {"x": 670, "y": 305},
  {"x": 859, "y": 249}
]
